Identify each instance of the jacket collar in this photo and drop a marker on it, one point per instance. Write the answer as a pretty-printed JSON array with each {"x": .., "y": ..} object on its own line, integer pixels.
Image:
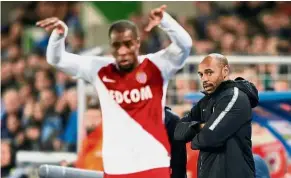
[{"x": 224, "y": 85}]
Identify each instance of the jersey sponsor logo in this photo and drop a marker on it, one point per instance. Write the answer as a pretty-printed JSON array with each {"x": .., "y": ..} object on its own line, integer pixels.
[
  {"x": 132, "y": 96},
  {"x": 141, "y": 77},
  {"x": 107, "y": 80}
]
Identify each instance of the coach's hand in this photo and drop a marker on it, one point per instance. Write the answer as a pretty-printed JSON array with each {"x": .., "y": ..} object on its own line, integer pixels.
[
  {"x": 52, "y": 23},
  {"x": 155, "y": 17}
]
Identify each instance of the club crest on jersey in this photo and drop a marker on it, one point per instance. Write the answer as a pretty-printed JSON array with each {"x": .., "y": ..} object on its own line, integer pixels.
[{"x": 141, "y": 77}]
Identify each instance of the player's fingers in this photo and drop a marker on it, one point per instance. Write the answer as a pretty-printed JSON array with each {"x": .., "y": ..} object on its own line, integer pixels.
[
  {"x": 152, "y": 13},
  {"x": 163, "y": 7},
  {"x": 52, "y": 26},
  {"x": 41, "y": 22},
  {"x": 152, "y": 16},
  {"x": 50, "y": 22},
  {"x": 38, "y": 23},
  {"x": 158, "y": 10},
  {"x": 47, "y": 22}
]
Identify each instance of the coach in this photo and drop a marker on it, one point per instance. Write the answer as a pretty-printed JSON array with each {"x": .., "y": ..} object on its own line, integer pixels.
[{"x": 219, "y": 125}]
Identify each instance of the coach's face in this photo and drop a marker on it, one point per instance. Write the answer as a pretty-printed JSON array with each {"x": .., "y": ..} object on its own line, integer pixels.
[
  {"x": 211, "y": 73},
  {"x": 125, "y": 48}
]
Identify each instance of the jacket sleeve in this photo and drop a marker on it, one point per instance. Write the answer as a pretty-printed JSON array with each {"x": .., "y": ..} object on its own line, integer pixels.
[
  {"x": 77, "y": 66},
  {"x": 232, "y": 111},
  {"x": 189, "y": 125},
  {"x": 193, "y": 115},
  {"x": 178, "y": 148},
  {"x": 172, "y": 58}
]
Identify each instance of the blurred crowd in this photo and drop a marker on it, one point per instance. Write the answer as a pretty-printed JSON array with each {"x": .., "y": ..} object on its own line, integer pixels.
[
  {"x": 39, "y": 103},
  {"x": 246, "y": 28}
]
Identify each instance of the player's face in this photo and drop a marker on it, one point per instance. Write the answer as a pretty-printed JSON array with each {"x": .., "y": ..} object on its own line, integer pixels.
[
  {"x": 125, "y": 48},
  {"x": 211, "y": 74}
]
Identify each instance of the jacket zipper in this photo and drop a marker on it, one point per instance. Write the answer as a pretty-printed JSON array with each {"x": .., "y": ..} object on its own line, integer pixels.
[{"x": 201, "y": 163}]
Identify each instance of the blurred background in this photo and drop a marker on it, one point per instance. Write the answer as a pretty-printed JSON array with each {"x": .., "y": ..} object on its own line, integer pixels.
[{"x": 48, "y": 117}]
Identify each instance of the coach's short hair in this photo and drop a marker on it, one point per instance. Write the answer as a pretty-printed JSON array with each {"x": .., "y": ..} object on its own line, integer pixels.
[{"x": 123, "y": 25}]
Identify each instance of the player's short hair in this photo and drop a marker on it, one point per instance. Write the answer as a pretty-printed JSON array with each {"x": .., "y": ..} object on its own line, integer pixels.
[{"x": 123, "y": 25}]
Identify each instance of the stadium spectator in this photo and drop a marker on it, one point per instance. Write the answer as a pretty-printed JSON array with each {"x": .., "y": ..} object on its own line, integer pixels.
[
  {"x": 32, "y": 136},
  {"x": 62, "y": 82},
  {"x": 76, "y": 42},
  {"x": 10, "y": 99},
  {"x": 13, "y": 132},
  {"x": 281, "y": 85},
  {"x": 26, "y": 92},
  {"x": 7, "y": 158},
  {"x": 11, "y": 107},
  {"x": 262, "y": 170},
  {"x": 44, "y": 79},
  {"x": 90, "y": 156},
  {"x": 183, "y": 85},
  {"x": 52, "y": 123},
  {"x": 69, "y": 136},
  {"x": 13, "y": 125},
  {"x": 7, "y": 79}
]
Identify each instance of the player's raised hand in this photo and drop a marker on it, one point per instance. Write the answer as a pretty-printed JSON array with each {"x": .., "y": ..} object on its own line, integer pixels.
[
  {"x": 52, "y": 23},
  {"x": 155, "y": 17}
]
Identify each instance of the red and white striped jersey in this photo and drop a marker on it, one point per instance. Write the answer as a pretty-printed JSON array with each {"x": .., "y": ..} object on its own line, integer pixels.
[{"x": 135, "y": 142}]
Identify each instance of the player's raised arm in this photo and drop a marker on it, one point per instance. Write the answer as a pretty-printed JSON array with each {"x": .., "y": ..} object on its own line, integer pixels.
[
  {"x": 174, "y": 56},
  {"x": 75, "y": 65}
]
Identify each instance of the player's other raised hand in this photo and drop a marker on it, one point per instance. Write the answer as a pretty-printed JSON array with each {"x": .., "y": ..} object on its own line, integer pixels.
[
  {"x": 52, "y": 23},
  {"x": 155, "y": 17}
]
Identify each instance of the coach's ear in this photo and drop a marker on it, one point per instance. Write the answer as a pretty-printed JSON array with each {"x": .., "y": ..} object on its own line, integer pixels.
[
  {"x": 138, "y": 41},
  {"x": 225, "y": 71}
]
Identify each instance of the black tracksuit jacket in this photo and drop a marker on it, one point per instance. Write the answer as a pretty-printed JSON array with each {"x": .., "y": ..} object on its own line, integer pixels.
[
  {"x": 178, "y": 148},
  {"x": 225, "y": 140}
]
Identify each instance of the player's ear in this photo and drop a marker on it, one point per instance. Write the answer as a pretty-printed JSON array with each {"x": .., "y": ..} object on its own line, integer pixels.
[{"x": 138, "y": 41}]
